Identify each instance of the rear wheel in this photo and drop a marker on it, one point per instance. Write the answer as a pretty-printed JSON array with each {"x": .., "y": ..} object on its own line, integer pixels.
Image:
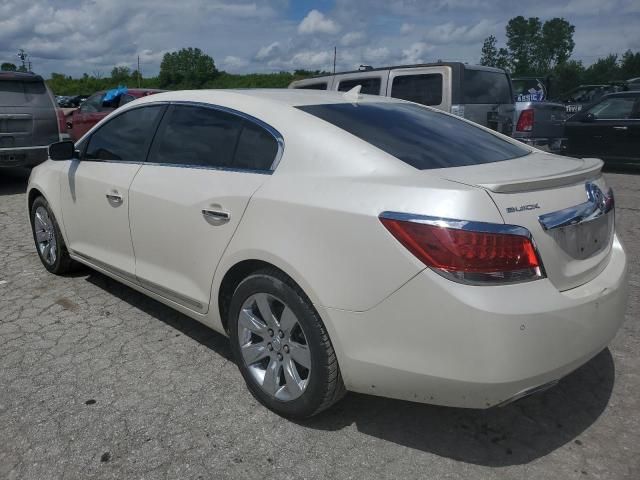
[
  {"x": 282, "y": 348},
  {"x": 48, "y": 239}
]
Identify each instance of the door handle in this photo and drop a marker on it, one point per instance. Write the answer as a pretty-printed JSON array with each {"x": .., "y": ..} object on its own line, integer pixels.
[
  {"x": 114, "y": 198},
  {"x": 620, "y": 128},
  {"x": 217, "y": 215}
]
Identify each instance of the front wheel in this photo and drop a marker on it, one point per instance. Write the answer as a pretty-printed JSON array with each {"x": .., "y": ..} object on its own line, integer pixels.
[
  {"x": 282, "y": 348},
  {"x": 48, "y": 239}
]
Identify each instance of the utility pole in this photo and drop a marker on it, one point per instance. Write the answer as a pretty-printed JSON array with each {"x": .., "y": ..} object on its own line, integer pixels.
[
  {"x": 335, "y": 54},
  {"x": 22, "y": 55},
  {"x": 139, "y": 73}
]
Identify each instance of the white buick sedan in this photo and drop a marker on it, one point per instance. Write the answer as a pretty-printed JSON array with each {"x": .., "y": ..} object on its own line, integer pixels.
[{"x": 344, "y": 242}]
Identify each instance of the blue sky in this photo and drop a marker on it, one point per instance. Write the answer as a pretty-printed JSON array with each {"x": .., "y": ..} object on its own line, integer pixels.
[{"x": 77, "y": 36}]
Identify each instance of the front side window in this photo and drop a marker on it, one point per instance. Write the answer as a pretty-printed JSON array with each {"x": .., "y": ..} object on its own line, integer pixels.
[
  {"x": 418, "y": 136},
  {"x": 207, "y": 137},
  {"x": 424, "y": 88},
  {"x": 615, "y": 108},
  {"x": 370, "y": 86},
  {"x": 125, "y": 137}
]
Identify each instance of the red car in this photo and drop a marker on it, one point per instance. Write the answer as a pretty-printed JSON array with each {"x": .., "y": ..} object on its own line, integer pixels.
[{"x": 93, "y": 110}]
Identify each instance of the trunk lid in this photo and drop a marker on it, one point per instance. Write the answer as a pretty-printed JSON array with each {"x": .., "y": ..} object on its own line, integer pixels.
[{"x": 551, "y": 188}]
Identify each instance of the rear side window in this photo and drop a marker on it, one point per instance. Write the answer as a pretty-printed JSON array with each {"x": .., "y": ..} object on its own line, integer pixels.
[
  {"x": 370, "y": 86},
  {"x": 418, "y": 136},
  {"x": 482, "y": 86},
  {"x": 206, "y": 137},
  {"x": 125, "y": 137},
  {"x": 313, "y": 86},
  {"x": 15, "y": 93},
  {"x": 425, "y": 89}
]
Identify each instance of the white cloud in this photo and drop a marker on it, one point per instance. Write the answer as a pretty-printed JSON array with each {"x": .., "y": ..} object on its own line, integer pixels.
[
  {"x": 406, "y": 28},
  {"x": 416, "y": 53},
  {"x": 376, "y": 55},
  {"x": 352, "y": 38},
  {"x": 316, "y": 22},
  {"x": 234, "y": 63},
  {"x": 269, "y": 51}
]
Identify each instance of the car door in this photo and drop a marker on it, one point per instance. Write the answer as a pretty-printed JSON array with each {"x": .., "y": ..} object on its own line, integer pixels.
[
  {"x": 187, "y": 200},
  {"x": 425, "y": 85},
  {"x": 611, "y": 119},
  {"x": 95, "y": 191},
  {"x": 626, "y": 133}
]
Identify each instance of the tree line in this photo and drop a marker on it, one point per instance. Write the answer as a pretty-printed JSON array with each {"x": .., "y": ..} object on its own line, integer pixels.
[{"x": 544, "y": 49}]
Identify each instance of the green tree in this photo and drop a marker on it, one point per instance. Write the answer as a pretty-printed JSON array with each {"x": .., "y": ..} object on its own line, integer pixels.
[
  {"x": 603, "y": 70},
  {"x": 630, "y": 65},
  {"x": 8, "y": 67},
  {"x": 523, "y": 37},
  {"x": 187, "y": 68},
  {"x": 555, "y": 45},
  {"x": 121, "y": 75},
  {"x": 565, "y": 76},
  {"x": 494, "y": 57}
]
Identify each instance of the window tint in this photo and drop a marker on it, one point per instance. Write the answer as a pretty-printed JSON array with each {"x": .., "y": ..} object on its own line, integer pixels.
[
  {"x": 424, "y": 89},
  {"x": 197, "y": 136},
  {"x": 481, "y": 86},
  {"x": 418, "y": 136},
  {"x": 257, "y": 148},
  {"x": 314, "y": 86},
  {"x": 126, "y": 98},
  {"x": 15, "y": 93},
  {"x": 370, "y": 86},
  {"x": 206, "y": 137},
  {"x": 125, "y": 137},
  {"x": 613, "y": 108}
]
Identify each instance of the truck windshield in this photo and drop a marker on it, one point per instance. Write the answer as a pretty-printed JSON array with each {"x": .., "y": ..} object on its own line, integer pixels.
[
  {"x": 483, "y": 86},
  {"x": 419, "y": 136}
]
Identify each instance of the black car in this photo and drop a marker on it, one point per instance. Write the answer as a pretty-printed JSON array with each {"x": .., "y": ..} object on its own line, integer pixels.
[
  {"x": 28, "y": 120},
  {"x": 608, "y": 129}
]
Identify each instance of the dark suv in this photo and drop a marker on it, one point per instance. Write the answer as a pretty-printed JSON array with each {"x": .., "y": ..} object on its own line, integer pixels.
[{"x": 28, "y": 120}]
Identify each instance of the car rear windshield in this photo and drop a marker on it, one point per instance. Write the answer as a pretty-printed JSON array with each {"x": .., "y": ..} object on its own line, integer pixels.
[
  {"x": 482, "y": 86},
  {"x": 15, "y": 93},
  {"x": 421, "y": 137}
]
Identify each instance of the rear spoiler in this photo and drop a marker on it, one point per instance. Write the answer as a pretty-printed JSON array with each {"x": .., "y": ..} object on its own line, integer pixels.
[{"x": 591, "y": 169}]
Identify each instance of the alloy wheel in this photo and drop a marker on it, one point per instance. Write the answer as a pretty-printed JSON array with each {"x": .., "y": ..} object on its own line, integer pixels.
[
  {"x": 274, "y": 347},
  {"x": 45, "y": 235}
]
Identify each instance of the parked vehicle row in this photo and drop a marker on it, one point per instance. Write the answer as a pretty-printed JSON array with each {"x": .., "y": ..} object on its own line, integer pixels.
[
  {"x": 480, "y": 94},
  {"x": 29, "y": 119},
  {"x": 344, "y": 241}
]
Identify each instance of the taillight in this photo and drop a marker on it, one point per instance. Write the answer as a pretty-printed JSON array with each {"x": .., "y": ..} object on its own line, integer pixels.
[
  {"x": 468, "y": 252},
  {"x": 525, "y": 120}
]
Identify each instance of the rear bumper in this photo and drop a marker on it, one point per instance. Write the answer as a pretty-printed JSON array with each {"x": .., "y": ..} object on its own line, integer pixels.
[
  {"x": 23, "y": 156},
  {"x": 440, "y": 342},
  {"x": 548, "y": 144}
]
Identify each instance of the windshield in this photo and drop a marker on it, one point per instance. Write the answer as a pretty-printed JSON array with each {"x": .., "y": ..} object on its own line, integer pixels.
[
  {"x": 482, "y": 86},
  {"x": 14, "y": 93},
  {"x": 418, "y": 136}
]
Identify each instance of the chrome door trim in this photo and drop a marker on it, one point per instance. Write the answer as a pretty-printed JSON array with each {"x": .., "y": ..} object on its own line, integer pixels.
[
  {"x": 178, "y": 298},
  {"x": 598, "y": 203},
  {"x": 181, "y": 300}
]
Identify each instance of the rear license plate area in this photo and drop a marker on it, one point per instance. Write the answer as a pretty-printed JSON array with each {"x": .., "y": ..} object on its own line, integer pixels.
[{"x": 586, "y": 239}]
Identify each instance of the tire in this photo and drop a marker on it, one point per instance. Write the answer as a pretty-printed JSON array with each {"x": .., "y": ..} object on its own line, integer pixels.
[
  {"x": 48, "y": 239},
  {"x": 273, "y": 353}
]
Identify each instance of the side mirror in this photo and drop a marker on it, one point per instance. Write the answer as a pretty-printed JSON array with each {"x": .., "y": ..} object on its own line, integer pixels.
[
  {"x": 65, "y": 150},
  {"x": 589, "y": 117}
]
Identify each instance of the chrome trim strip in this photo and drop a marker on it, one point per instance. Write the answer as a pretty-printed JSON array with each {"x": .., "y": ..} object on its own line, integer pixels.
[
  {"x": 483, "y": 227},
  {"x": 598, "y": 203},
  {"x": 115, "y": 271},
  {"x": 173, "y": 296},
  {"x": 38, "y": 147},
  {"x": 152, "y": 287}
]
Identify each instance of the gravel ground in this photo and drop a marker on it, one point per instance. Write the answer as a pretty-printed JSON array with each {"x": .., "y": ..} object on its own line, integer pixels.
[{"x": 99, "y": 381}]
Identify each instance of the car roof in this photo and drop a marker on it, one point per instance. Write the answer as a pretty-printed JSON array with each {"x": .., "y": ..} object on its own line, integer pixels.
[
  {"x": 281, "y": 96},
  {"x": 413, "y": 65}
]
